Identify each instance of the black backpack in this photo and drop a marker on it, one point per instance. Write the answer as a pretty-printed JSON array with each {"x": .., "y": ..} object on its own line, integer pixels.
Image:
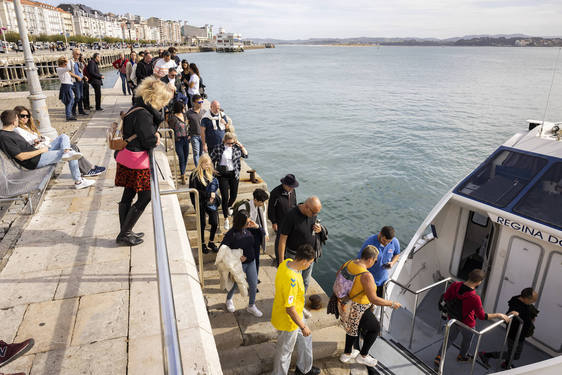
[{"x": 451, "y": 308}]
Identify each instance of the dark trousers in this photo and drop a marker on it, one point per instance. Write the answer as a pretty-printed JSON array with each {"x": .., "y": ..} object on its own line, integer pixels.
[
  {"x": 182, "y": 149},
  {"x": 78, "y": 88},
  {"x": 213, "y": 221},
  {"x": 506, "y": 355},
  {"x": 369, "y": 328},
  {"x": 228, "y": 185},
  {"x": 97, "y": 92},
  {"x": 86, "y": 95},
  {"x": 143, "y": 198},
  {"x": 466, "y": 339},
  {"x": 276, "y": 249}
]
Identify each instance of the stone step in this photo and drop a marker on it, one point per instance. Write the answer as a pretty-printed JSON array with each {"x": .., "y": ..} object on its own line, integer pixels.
[{"x": 258, "y": 358}]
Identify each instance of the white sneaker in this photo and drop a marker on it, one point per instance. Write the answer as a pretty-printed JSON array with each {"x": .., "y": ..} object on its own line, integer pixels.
[
  {"x": 306, "y": 313},
  {"x": 367, "y": 361},
  {"x": 230, "y": 306},
  {"x": 347, "y": 358},
  {"x": 230, "y": 211},
  {"x": 226, "y": 224},
  {"x": 71, "y": 155},
  {"x": 254, "y": 311},
  {"x": 84, "y": 184}
]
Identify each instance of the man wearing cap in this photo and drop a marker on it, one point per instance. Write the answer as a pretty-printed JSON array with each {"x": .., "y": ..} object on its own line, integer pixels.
[{"x": 281, "y": 200}]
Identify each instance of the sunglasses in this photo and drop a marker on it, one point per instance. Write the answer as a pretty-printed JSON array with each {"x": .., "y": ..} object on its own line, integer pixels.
[
  {"x": 24, "y": 116},
  {"x": 229, "y": 143},
  {"x": 200, "y": 101}
]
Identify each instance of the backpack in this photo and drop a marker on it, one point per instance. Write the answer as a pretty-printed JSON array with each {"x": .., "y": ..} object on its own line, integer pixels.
[
  {"x": 451, "y": 308},
  {"x": 344, "y": 282},
  {"x": 243, "y": 204}
]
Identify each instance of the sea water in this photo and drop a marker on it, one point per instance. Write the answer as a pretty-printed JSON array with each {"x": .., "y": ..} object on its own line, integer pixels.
[{"x": 378, "y": 133}]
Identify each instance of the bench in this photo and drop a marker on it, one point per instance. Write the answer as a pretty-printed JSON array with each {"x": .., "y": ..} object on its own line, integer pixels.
[{"x": 18, "y": 183}]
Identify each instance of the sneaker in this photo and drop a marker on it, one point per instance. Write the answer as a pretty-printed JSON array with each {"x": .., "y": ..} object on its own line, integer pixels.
[
  {"x": 230, "y": 211},
  {"x": 205, "y": 249},
  {"x": 254, "y": 311},
  {"x": 95, "y": 171},
  {"x": 484, "y": 359},
  {"x": 306, "y": 313},
  {"x": 226, "y": 224},
  {"x": 349, "y": 358},
  {"x": 313, "y": 371},
  {"x": 467, "y": 358},
  {"x": 71, "y": 119},
  {"x": 84, "y": 184},
  {"x": 230, "y": 306},
  {"x": 9, "y": 352},
  {"x": 213, "y": 247},
  {"x": 367, "y": 361},
  {"x": 71, "y": 155}
]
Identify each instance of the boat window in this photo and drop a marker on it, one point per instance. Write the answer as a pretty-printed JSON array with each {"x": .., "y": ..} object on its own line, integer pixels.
[
  {"x": 502, "y": 178},
  {"x": 544, "y": 201}
]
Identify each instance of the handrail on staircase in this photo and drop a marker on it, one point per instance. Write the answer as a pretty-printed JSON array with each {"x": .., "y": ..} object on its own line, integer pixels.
[
  {"x": 416, "y": 294},
  {"x": 491, "y": 327}
]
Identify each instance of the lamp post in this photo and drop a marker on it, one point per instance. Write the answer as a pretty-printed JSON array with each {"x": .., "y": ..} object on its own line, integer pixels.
[{"x": 36, "y": 98}]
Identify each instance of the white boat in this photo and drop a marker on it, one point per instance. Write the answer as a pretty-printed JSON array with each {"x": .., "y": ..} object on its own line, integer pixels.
[{"x": 505, "y": 217}]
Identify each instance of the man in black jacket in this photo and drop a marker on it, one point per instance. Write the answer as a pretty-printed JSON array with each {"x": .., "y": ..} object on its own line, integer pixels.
[
  {"x": 96, "y": 78},
  {"x": 281, "y": 200},
  {"x": 144, "y": 67},
  {"x": 174, "y": 82},
  {"x": 523, "y": 305}
]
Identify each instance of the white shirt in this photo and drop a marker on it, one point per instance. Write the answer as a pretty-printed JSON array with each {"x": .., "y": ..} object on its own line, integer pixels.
[
  {"x": 195, "y": 89},
  {"x": 162, "y": 68},
  {"x": 226, "y": 159},
  {"x": 254, "y": 216},
  {"x": 30, "y": 137},
  {"x": 64, "y": 75}
]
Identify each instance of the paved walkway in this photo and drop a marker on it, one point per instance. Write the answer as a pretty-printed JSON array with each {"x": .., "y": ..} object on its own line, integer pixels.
[{"x": 92, "y": 307}]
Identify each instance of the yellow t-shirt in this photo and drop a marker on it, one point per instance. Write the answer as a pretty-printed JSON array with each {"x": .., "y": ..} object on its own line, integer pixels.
[
  {"x": 357, "y": 287},
  {"x": 289, "y": 291}
]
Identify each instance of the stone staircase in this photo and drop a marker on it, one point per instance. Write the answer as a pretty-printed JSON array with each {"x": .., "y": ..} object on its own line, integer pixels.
[{"x": 246, "y": 344}]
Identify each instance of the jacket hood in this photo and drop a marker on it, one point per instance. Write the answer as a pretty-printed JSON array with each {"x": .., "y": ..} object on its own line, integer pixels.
[{"x": 156, "y": 115}]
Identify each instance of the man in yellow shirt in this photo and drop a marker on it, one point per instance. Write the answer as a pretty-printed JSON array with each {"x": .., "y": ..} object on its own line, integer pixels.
[{"x": 287, "y": 315}]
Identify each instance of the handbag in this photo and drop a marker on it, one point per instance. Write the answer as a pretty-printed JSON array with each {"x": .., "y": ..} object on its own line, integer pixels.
[
  {"x": 115, "y": 136},
  {"x": 133, "y": 159}
]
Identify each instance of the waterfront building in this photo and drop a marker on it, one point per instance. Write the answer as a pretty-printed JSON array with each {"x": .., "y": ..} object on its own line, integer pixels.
[
  {"x": 40, "y": 18},
  {"x": 196, "y": 35},
  {"x": 170, "y": 31},
  {"x": 228, "y": 42},
  {"x": 92, "y": 22}
]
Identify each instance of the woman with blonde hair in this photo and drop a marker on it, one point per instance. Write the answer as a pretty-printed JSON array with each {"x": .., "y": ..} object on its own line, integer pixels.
[
  {"x": 140, "y": 127},
  {"x": 203, "y": 179},
  {"x": 226, "y": 158}
]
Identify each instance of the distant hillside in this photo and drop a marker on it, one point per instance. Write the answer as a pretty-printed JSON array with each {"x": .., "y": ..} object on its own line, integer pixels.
[{"x": 499, "y": 40}]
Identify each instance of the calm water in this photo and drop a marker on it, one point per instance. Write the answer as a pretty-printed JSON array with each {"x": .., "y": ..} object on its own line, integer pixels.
[{"x": 379, "y": 134}]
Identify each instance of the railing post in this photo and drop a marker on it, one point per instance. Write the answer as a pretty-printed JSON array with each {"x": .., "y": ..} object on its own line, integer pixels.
[
  {"x": 170, "y": 338},
  {"x": 475, "y": 353},
  {"x": 515, "y": 341},
  {"x": 444, "y": 347},
  {"x": 198, "y": 214},
  {"x": 382, "y": 308},
  {"x": 413, "y": 320}
]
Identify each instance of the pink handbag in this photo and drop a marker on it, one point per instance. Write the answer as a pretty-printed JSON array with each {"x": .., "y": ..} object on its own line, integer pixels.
[{"x": 132, "y": 159}]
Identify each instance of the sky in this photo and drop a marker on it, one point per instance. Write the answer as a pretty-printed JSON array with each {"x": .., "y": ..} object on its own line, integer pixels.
[{"x": 290, "y": 19}]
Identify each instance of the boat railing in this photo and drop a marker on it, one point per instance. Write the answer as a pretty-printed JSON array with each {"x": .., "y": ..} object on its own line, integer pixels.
[
  {"x": 416, "y": 294},
  {"x": 170, "y": 340},
  {"x": 480, "y": 333}
]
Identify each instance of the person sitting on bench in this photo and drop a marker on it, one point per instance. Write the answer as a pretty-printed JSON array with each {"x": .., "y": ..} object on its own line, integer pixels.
[{"x": 29, "y": 157}]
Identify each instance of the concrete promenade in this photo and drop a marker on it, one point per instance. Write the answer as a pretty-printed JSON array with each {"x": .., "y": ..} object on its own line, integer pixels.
[{"x": 92, "y": 307}]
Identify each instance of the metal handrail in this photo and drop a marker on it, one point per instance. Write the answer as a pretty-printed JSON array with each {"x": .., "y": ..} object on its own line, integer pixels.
[
  {"x": 176, "y": 160},
  {"x": 198, "y": 226},
  {"x": 170, "y": 339},
  {"x": 452, "y": 322},
  {"x": 416, "y": 293}
]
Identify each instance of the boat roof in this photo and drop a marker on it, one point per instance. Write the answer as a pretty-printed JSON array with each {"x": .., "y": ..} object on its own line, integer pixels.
[{"x": 545, "y": 139}]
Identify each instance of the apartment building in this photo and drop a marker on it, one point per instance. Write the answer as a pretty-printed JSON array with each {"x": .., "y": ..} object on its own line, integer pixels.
[
  {"x": 92, "y": 22},
  {"x": 40, "y": 18}
]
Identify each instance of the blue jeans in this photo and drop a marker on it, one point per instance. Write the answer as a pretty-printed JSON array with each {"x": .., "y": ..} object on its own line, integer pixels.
[
  {"x": 252, "y": 278},
  {"x": 124, "y": 85},
  {"x": 55, "y": 153},
  {"x": 78, "y": 89},
  {"x": 197, "y": 148},
  {"x": 182, "y": 149}
]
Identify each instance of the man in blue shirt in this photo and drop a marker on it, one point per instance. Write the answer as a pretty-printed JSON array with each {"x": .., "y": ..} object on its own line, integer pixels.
[{"x": 389, "y": 250}]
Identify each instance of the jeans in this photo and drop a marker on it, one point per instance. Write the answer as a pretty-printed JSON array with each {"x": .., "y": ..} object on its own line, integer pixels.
[
  {"x": 55, "y": 153},
  {"x": 252, "y": 278},
  {"x": 124, "y": 83},
  {"x": 78, "y": 88},
  {"x": 182, "y": 149},
  {"x": 197, "y": 148},
  {"x": 68, "y": 106},
  {"x": 228, "y": 185},
  {"x": 465, "y": 343},
  {"x": 286, "y": 342}
]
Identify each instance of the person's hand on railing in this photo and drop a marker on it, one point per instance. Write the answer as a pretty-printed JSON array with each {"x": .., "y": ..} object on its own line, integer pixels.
[
  {"x": 395, "y": 305},
  {"x": 504, "y": 317},
  {"x": 514, "y": 313}
]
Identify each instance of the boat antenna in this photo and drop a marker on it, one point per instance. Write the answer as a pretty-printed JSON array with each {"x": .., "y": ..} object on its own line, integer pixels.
[{"x": 550, "y": 90}]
